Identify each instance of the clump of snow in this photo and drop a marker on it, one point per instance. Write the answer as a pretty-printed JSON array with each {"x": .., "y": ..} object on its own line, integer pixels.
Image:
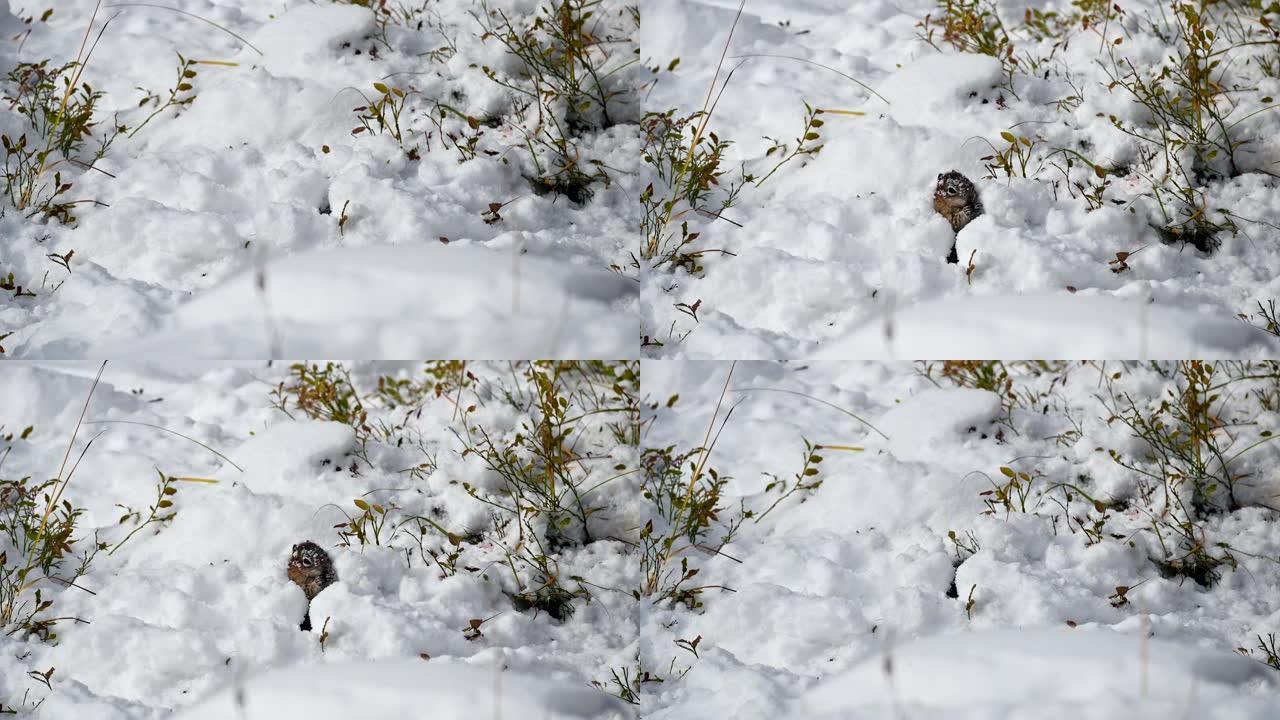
[
  {"x": 927, "y": 90},
  {"x": 918, "y": 424},
  {"x": 302, "y": 37}
]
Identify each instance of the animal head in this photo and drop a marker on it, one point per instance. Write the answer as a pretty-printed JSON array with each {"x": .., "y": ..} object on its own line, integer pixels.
[
  {"x": 954, "y": 190},
  {"x": 310, "y": 568}
]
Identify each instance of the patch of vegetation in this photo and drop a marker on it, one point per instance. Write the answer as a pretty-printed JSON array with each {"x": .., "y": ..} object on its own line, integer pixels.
[
  {"x": 323, "y": 393},
  {"x": 59, "y": 108},
  {"x": 692, "y": 181},
  {"x": 972, "y": 26},
  {"x": 999, "y": 377},
  {"x": 580, "y": 421},
  {"x": 1190, "y": 470},
  {"x": 39, "y": 539},
  {"x": 549, "y": 473},
  {"x": 687, "y": 160},
  {"x": 572, "y": 79}
]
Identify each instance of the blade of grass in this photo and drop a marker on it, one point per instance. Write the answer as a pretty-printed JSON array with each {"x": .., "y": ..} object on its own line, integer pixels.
[
  {"x": 172, "y": 432},
  {"x": 817, "y": 400},
  {"x": 188, "y": 14},
  {"x": 62, "y": 481},
  {"x": 861, "y": 84}
]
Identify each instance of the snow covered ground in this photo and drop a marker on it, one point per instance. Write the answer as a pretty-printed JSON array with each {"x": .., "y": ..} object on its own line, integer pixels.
[
  {"x": 201, "y": 611},
  {"x": 261, "y": 177},
  {"x": 847, "y": 600},
  {"x": 836, "y": 246},
  {"x": 952, "y": 552}
]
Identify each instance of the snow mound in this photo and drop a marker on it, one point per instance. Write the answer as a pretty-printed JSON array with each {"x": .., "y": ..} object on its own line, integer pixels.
[
  {"x": 1044, "y": 668},
  {"x": 289, "y": 454},
  {"x": 295, "y": 41},
  {"x": 927, "y": 90},
  {"x": 396, "y": 302},
  {"x": 404, "y": 689},
  {"x": 1060, "y": 326},
  {"x": 919, "y": 424}
]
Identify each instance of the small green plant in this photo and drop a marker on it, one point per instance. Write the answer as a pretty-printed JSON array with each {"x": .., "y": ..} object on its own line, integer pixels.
[
  {"x": 1011, "y": 495},
  {"x": 181, "y": 94},
  {"x": 803, "y": 482},
  {"x": 1091, "y": 185},
  {"x": 686, "y": 498},
  {"x": 628, "y": 682},
  {"x": 563, "y": 56},
  {"x": 161, "y": 511},
  {"x": 551, "y": 467},
  {"x": 11, "y": 285},
  {"x": 804, "y": 145},
  {"x": 1190, "y": 446},
  {"x": 367, "y": 526},
  {"x": 1014, "y": 159},
  {"x": 1266, "y": 318},
  {"x": 381, "y": 113}
]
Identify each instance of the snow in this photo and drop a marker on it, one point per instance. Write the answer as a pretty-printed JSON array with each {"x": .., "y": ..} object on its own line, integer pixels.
[
  {"x": 860, "y": 572},
  {"x": 531, "y": 307},
  {"x": 190, "y": 614},
  {"x": 902, "y": 555},
  {"x": 401, "y": 689},
  {"x": 927, "y": 90},
  {"x": 1062, "y": 326},
  {"x": 915, "y": 425},
  {"x": 811, "y": 262},
  {"x": 262, "y": 170},
  {"x": 1065, "y": 672}
]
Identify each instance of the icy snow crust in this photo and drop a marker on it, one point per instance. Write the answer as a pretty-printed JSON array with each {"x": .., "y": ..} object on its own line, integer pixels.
[
  {"x": 203, "y": 611},
  {"x": 831, "y": 588},
  {"x": 240, "y": 181},
  {"x": 837, "y": 252}
]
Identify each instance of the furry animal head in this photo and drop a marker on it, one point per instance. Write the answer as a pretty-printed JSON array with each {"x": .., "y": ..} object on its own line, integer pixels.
[
  {"x": 954, "y": 190},
  {"x": 310, "y": 568}
]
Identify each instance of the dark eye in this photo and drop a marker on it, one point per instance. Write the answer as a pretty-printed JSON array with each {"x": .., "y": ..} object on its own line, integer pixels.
[
  {"x": 306, "y": 562},
  {"x": 951, "y": 191}
]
